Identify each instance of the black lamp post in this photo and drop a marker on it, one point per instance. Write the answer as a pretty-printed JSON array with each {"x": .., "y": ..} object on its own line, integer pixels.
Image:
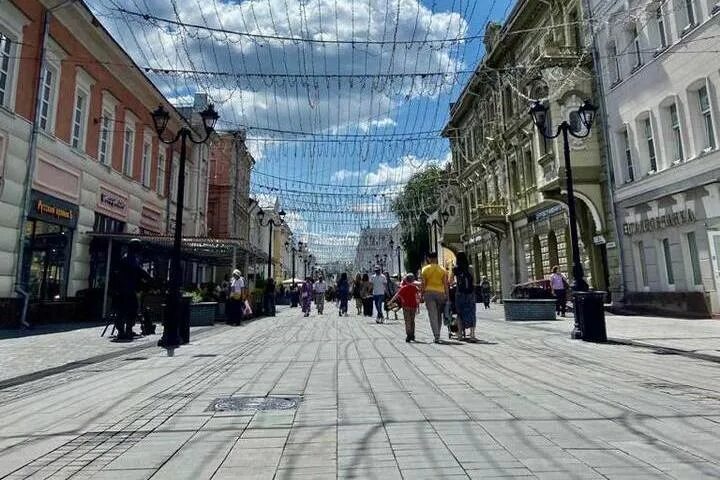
[
  {"x": 271, "y": 223},
  {"x": 586, "y": 115},
  {"x": 291, "y": 247},
  {"x": 171, "y": 335}
]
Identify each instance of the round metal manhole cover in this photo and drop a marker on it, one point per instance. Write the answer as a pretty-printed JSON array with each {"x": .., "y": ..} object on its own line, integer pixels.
[{"x": 234, "y": 404}]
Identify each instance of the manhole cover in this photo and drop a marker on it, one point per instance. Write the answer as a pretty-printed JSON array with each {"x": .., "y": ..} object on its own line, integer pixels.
[
  {"x": 234, "y": 404},
  {"x": 205, "y": 355}
]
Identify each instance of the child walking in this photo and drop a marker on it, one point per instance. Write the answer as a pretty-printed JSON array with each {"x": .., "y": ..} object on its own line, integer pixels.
[{"x": 408, "y": 297}]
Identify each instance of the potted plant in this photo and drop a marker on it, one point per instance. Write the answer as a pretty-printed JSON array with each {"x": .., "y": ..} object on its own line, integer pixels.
[{"x": 202, "y": 312}]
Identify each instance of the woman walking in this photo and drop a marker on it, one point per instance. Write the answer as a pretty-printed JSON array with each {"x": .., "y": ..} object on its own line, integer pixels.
[
  {"x": 408, "y": 296},
  {"x": 343, "y": 290},
  {"x": 559, "y": 284},
  {"x": 235, "y": 304},
  {"x": 465, "y": 296},
  {"x": 485, "y": 292},
  {"x": 435, "y": 292},
  {"x": 357, "y": 293},
  {"x": 306, "y": 294},
  {"x": 367, "y": 295}
]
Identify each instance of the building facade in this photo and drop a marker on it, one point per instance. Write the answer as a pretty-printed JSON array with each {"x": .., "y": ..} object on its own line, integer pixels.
[
  {"x": 374, "y": 249},
  {"x": 510, "y": 179},
  {"x": 659, "y": 74},
  {"x": 78, "y": 153}
]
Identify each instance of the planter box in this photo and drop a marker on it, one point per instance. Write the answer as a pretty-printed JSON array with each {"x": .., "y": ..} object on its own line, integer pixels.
[
  {"x": 521, "y": 309},
  {"x": 202, "y": 314}
]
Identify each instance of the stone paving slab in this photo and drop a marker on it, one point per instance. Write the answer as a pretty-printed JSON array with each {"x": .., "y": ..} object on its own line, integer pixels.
[{"x": 527, "y": 403}]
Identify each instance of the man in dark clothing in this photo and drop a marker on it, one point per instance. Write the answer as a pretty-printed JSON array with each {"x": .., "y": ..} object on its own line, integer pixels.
[
  {"x": 128, "y": 281},
  {"x": 269, "y": 297}
]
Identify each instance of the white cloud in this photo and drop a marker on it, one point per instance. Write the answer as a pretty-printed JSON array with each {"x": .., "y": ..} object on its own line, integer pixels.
[
  {"x": 391, "y": 175},
  {"x": 342, "y": 175},
  {"x": 382, "y": 123}
]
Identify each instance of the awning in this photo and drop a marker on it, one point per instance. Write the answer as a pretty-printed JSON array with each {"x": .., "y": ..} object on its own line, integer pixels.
[{"x": 212, "y": 251}]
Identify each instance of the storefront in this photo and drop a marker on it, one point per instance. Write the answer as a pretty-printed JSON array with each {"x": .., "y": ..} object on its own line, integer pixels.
[
  {"x": 111, "y": 212},
  {"x": 49, "y": 232},
  {"x": 672, "y": 245}
]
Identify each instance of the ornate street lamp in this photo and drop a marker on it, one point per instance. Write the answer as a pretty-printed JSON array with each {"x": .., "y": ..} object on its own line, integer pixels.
[
  {"x": 586, "y": 114},
  {"x": 171, "y": 334},
  {"x": 271, "y": 223}
]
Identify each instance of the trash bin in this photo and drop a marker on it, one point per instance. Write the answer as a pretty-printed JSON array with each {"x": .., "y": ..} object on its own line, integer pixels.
[
  {"x": 184, "y": 320},
  {"x": 590, "y": 315}
]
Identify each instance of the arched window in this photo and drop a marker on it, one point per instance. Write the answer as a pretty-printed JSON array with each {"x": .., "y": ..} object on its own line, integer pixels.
[
  {"x": 537, "y": 259},
  {"x": 553, "y": 254}
]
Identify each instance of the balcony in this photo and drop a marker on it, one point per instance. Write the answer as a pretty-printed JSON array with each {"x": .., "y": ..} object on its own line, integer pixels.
[{"x": 491, "y": 216}]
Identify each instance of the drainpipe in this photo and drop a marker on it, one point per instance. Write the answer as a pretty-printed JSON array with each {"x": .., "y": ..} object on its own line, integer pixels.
[{"x": 610, "y": 184}]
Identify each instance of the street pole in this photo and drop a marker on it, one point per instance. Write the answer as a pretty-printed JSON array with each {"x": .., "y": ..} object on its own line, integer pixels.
[
  {"x": 269, "y": 272},
  {"x": 579, "y": 283},
  {"x": 399, "y": 266},
  {"x": 171, "y": 334}
]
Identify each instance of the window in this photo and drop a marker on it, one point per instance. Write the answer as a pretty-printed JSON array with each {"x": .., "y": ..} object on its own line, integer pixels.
[
  {"x": 690, "y": 12},
  {"x": 662, "y": 34},
  {"x": 529, "y": 169},
  {"x": 694, "y": 258},
  {"x": 637, "y": 53},
  {"x": 146, "y": 163},
  {"x": 78, "y": 126},
  {"x": 705, "y": 112},
  {"x": 128, "y": 150},
  {"x": 643, "y": 263},
  {"x": 614, "y": 63},
  {"x": 47, "y": 98},
  {"x": 174, "y": 179},
  {"x": 650, "y": 145},
  {"x": 678, "y": 154},
  {"x": 668, "y": 261},
  {"x": 508, "y": 104},
  {"x": 6, "y": 47},
  {"x": 628, "y": 156},
  {"x": 105, "y": 149},
  {"x": 161, "y": 173}
]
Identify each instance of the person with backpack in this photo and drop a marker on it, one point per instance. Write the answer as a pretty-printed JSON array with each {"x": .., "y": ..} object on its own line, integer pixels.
[
  {"x": 343, "y": 290},
  {"x": 465, "y": 296},
  {"x": 559, "y": 286},
  {"x": 408, "y": 297}
]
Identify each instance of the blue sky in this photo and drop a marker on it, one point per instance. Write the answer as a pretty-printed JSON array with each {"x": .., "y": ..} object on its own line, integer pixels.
[{"x": 342, "y": 100}]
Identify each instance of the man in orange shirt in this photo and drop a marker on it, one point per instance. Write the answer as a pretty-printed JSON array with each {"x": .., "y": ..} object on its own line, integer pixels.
[{"x": 434, "y": 290}]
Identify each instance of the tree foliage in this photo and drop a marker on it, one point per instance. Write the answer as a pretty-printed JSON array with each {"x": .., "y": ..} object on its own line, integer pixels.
[{"x": 420, "y": 196}]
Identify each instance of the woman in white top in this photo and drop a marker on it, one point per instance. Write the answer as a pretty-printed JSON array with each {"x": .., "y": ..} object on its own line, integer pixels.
[{"x": 559, "y": 285}]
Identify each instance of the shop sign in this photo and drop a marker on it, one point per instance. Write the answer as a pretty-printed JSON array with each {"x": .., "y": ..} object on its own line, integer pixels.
[
  {"x": 671, "y": 219},
  {"x": 545, "y": 213},
  {"x": 112, "y": 203},
  {"x": 53, "y": 210}
]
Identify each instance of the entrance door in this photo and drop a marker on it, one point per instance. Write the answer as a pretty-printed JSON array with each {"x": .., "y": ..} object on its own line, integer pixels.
[{"x": 714, "y": 237}]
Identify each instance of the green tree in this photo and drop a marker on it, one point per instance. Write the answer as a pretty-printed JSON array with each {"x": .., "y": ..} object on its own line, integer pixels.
[{"x": 420, "y": 195}]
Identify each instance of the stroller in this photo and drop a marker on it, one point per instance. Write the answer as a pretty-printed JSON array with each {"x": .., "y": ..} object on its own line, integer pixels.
[{"x": 450, "y": 314}]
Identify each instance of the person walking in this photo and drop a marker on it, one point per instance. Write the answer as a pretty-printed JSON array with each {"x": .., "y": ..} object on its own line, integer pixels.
[
  {"x": 236, "y": 298},
  {"x": 343, "y": 291},
  {"x": 357, "y": 293},
  {"x": 464, "y": 296},
  {"x": 320, "y": 288},
  {"x": 485, "y": 292},
  {"x": 306, "y": 294},
  {"x": 269, "y": 297},
  {"x": 379, "y": 290},
  {"x": 129, "y": 280},
  {"x": 407, "y": 296},
  {"x": 391, "y": 290},
  {"x": 434, "y": 290},
  {"x": 559, "y": 287},
  {"x": 367, "y": 295}
]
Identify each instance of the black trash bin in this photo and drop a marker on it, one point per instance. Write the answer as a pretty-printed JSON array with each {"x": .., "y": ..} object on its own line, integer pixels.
[
  {"x": 184, "y": 320},
  {"x": 590, "y": 315}
]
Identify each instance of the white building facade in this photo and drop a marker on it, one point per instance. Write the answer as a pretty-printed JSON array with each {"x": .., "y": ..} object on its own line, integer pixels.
[{"x": 659, "y": 70}]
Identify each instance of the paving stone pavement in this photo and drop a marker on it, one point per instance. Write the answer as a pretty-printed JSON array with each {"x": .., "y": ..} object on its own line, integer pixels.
[{"x": 526, "y": 402}]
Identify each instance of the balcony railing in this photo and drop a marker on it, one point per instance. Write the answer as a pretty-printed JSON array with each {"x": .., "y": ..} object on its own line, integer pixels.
[{"x": 489, "y": 212}]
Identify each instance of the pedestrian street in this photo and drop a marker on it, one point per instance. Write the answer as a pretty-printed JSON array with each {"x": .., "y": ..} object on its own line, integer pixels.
[{"x": 352, "y": 399}]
